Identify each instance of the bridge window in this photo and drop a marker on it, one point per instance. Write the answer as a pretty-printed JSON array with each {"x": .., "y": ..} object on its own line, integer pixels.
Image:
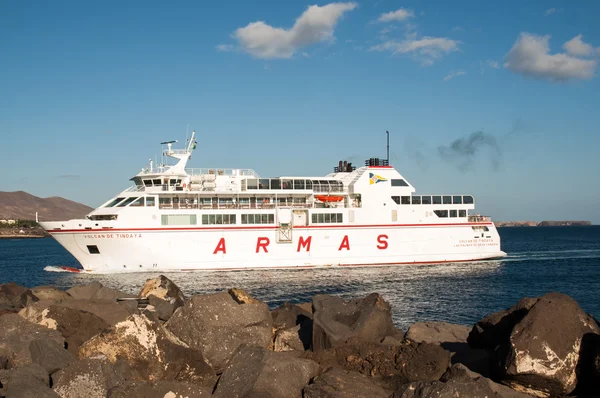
[
  {"x": 467, "y": 199},
  {"x": 126, "y": 202},
  {"x": 252, "y": 183},
  {"x": 399, "y": 183},
  {"x": 263, "y": 183},
  {"x": 405, "y": 200},
  {"x": 453, "y": 213},
  {"x": 426, "y": 200},
  {"x": 441, "y": 213},
  {"x": 275, "y": 183},
  {"x": 416, "y": 200},
  {"x": 396, "y": 199},
  {"x": 287, "y": 184},
  {"x": 103, "y": 217},
  {"x": 447, "y": 200},
  {"x": 462, "y": 213},
  {"x": 457, "y": 200},
  {"x": 148, "y": 183},
  {"x": 437, "y": 200},
  {"x": 114, "y": 202},
  {"x": 138, "y": 203},
  {"x": 156, "y": 182}
]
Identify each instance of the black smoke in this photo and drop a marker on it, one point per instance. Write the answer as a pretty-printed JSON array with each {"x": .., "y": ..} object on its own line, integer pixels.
[{"x": 463, "y": 152}]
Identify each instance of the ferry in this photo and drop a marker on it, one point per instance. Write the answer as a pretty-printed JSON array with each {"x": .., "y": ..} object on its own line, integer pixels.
[{"x": 178, "y": 219}]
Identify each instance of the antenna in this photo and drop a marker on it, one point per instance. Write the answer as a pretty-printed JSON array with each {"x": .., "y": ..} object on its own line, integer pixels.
[{"x": 388, "y": 147}]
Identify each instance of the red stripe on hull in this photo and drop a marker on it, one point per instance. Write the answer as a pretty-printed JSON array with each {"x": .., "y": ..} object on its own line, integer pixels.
[{"x": 109, "y": 230}]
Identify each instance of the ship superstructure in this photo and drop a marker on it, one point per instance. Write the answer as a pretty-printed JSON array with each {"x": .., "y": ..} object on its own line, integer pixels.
[{"x": 177, "y": 219}]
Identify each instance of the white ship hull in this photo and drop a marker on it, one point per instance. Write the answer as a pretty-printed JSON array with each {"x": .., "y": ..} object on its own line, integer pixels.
[
  {"x": 159, "y": 249},
  {"x": 175, "y": 219}
]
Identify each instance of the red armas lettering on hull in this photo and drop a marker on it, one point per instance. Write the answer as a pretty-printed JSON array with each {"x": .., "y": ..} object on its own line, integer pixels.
[
  {"x": 304, "y": 243},
  {"x": 382, "y": 240},
  {"x": 345, "y": 243},
  {"x": 220, "y": 247},
  {"x": 262, "y": 242}
]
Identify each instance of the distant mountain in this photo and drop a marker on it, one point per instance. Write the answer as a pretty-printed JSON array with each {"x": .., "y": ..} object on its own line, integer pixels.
[{"x": 22, "y": 205}]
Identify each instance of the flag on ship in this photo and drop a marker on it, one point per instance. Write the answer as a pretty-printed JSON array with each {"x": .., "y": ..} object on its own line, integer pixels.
[{"x": 374, "y": 179}]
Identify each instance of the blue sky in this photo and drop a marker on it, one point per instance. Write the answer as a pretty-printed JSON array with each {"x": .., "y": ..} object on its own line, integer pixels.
[{"x": 496, "y": 99}]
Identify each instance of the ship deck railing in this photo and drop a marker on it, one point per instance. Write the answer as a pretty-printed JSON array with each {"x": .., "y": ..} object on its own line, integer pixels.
[
  {"x": 479, "y": 218},
  {"x": 257, "y": 206},
  {"x": 221, "y": 172},
  {"x": 213, "y": 190},
  {"x": 204, "y": 170}
]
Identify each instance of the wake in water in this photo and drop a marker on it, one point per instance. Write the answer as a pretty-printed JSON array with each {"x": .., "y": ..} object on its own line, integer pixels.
[
  {"x": 551, "y": 255},
  {"x": 61, "y": 268}
]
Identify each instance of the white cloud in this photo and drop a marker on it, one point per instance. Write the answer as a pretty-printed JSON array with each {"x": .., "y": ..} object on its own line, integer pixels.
[
  {"x": 550, "y": 11},
  {"x": 426, "y": 49},
  {"x": 493, "y": 64},
  {"x": 400, "y": 14},
  {"x": 578, "y": 48},
  {"x": 314, "y": 25},
  {"x": 452, "y": 75},
  {"x": 225, "y": 47},
  {"x": 530, "y": 56}
]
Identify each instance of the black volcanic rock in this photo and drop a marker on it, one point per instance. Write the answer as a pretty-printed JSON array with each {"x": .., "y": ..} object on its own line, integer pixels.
[
  {"x": 338, "y": 383},
  {"x": 544, "y": 349},
  {"x": 50, "y": 355},
  {"x": 15, "y": 297},
  {"x": 403, "y": 363},
  {"x": 163, "y": 288},
  {"x": 495, "y": 329},
  {"x": 16, "y": 334},
  {"x": 337, "y": 322},
  {"x": 76, "y": 326},
  {"x": 160, "y": 389},
  {"x": 217, "y": 324},
  {"x": 293, "y": 327},
  {"x": 452, "y": 338},
  {"x": 90, "y": 377},
  {"x": 29, "y": 381},
  {"x": 50, "y": 293},
  {"x": 255, "y": 371},
  {"x": 151, "y": 351}
]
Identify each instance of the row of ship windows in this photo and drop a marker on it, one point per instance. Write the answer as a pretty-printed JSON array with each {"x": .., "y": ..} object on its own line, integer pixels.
[
  {"x": 132, "y": 202},
  {"x": 320, "y": 218},
  {"x": 450, "y": 213},
  {"x": 433, "y": 200},
  {"x": 150, "y": 201},
  {"x": 157, "y": 182},
  {"x": 212, "y": 219},
  {"x": 216, "y": 219},
  {"x": 278, "y": 183}
]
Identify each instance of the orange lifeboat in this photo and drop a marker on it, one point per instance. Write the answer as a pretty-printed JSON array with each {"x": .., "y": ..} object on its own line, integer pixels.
[{"x": 329, "y": 198}]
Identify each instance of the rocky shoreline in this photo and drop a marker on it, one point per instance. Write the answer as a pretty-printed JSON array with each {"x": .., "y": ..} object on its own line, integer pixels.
[
  {"x": 542, "y": 223},
  {"x": 92, "y": 341},
  {"x": 22, "y": 233}
]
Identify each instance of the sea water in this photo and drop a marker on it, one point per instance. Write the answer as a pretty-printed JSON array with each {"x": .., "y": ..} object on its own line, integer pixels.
[{"x": 540, "y": 260}]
